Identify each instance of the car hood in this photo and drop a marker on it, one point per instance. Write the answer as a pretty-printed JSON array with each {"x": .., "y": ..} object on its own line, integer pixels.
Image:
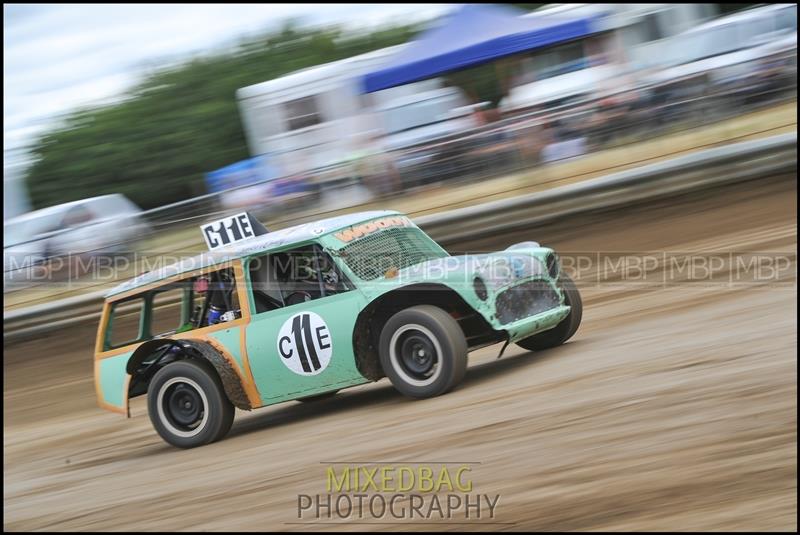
[{"x": 497, "y": 270}]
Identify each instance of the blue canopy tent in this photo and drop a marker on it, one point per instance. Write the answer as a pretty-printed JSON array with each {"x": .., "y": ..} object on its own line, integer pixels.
[{"x": 474, "y": 34}]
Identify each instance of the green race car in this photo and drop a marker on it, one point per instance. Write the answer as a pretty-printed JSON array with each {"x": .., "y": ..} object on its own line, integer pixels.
[{"x": 303, "y": 312}]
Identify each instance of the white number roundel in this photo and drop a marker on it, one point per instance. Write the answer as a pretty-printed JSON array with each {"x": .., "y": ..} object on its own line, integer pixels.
[{"x": 304, "y": 344}]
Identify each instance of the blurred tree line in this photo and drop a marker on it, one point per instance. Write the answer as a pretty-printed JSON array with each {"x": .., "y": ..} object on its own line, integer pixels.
[{"x": 155, "y": 145}]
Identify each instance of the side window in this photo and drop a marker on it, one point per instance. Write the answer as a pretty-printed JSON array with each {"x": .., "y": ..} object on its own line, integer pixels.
[
  {"x": 124, "y": 324},
  {"x": 175, "y": 307},
  {"x": 293, "y": 277},
  {"x": 302, "y": 112},
  {"x": 333, "y": 280},
  {"x": 264, "y": 284},
  {"x": 76, "y": 216},
  {"x": 214, "y": 299},
  {"x": 167, "y": 309}
]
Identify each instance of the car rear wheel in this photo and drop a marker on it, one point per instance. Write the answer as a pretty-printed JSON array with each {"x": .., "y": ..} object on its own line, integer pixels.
[
  {"x": 566, "y": 328},
  {"x": 423, "y": 351},
  {"x": 187, "y": 404}
]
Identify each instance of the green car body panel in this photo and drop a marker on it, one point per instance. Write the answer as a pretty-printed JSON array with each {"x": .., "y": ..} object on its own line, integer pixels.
[{"x": 256, "y": 343}]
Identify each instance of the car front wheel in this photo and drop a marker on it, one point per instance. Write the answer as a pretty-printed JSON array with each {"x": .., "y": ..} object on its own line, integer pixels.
[
  {"x": 423, "y": 351},
  {"x": 187, "y": 404}
]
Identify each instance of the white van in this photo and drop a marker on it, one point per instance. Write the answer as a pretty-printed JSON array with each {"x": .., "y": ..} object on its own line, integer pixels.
[
  {"x": 728, "y": 46},
  {"x": 105, "y": 224}
]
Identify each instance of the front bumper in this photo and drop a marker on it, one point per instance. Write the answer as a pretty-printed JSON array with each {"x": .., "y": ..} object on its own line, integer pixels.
[{"x": 531, "y": 325}]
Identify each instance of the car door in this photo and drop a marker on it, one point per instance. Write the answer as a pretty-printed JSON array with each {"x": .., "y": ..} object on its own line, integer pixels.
[{"x": 302, "y": 347}]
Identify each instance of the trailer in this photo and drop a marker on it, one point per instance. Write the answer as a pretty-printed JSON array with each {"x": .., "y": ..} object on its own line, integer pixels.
[{"x": 317, "y": 121}]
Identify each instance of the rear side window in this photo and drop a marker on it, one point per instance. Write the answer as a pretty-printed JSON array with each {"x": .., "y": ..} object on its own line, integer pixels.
[
  {"x": 167, "y": 312},
  {"x": 125, "y": 323},
  {"x": 175, "y": 307}
]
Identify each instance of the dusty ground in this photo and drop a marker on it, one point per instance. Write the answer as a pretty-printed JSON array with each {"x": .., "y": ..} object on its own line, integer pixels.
[{"x": 674, "y": 407}]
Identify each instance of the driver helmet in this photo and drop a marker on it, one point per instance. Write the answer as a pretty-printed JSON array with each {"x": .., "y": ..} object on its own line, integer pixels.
[{"x": 330, "y": 278}]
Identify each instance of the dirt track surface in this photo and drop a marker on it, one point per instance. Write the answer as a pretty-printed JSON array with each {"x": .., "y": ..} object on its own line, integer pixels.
[{"x": 674, "y": 407}]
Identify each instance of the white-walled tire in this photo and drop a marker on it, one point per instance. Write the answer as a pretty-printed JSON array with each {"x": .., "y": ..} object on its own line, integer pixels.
[
  {"x": 187, "y": 404},
  {"x": 423, "y": 351}
]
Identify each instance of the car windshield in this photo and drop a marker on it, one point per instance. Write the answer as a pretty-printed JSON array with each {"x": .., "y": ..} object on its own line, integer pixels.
[
  {"x": 699, "y": 45},
  {"x": 419, "y": 113},
  {"x": 113, "y": 205},
  {"x": 372, "y": 256},
  {"x": 29, "y": 228},
  {"x": 14, "y": 233},
  {"x": 705, "y": 43}
]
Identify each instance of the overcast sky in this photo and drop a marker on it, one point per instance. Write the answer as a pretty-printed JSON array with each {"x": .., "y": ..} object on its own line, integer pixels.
[{"x": 59, "y": 57}]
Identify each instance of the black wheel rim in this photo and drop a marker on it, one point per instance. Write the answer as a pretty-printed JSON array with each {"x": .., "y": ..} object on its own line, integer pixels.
[
  {"x": 183, "y": 406},
  {"x": 418, "y": 355}
]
